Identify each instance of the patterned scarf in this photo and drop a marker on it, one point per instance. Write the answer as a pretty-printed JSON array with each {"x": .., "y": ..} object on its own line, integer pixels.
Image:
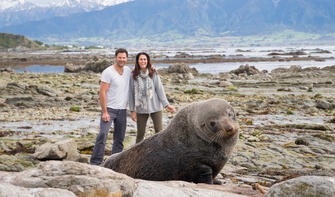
[{"x": 143, "y": 89}]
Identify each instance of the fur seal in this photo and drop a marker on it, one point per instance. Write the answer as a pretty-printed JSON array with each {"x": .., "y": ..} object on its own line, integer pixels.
[{"x": 194, "y": 147}]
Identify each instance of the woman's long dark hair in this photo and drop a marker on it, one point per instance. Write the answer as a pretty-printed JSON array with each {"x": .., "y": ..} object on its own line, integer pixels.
[{"x": 137, "y": 69}]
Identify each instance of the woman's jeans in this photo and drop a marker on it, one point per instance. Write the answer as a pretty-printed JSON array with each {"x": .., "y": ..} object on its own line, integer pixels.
[{"x": 142, "y": 123}]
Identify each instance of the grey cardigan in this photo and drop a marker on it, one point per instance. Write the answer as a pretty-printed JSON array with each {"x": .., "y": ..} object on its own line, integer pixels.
[{"x": 156, "y": 103}]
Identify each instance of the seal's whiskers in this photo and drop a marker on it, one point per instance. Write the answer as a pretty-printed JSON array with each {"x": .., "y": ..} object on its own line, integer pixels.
[{"x": 216, "y": 136}]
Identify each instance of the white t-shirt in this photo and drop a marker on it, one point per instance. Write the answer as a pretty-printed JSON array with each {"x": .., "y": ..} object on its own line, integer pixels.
[{"x": 118, "y": 91}]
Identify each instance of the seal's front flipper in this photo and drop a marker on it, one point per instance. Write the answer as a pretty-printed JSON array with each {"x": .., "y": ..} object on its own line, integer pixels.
[
  {"x": 216, "y": 182},
  {"x": 205, "y": 175}
]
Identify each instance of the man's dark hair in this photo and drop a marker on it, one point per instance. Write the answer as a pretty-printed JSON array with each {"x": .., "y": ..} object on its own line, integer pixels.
[{"x": 121, "y": 50}]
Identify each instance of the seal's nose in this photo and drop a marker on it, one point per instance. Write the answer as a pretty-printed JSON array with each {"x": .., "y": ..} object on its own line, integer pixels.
[{"x": 228, "y": 129}]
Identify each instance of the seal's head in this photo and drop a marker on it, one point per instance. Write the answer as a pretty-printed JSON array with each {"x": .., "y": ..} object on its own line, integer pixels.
[{"x": 215, "y": 121}]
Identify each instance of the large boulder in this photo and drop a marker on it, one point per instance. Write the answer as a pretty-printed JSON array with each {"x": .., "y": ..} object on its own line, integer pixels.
[
  {"x": 225, "y": 84},
  {"x": 7, "y": 69},
  {"x": 26, "y": 101},
  {"x": 61, "y": 150},
  {"x": 246, "y": 69},
  {"x": 9, "y": 190},
  {"x": 78, "y": 178},
  {"x": 16, "y": 163},
  {"x": 70, "y": 68},
  {"x": 181, "y": 189},
  {"x": 15, "y": 88},
  {"x": 67, "y": 177},
  {"x": 97, "y": 66},
  {"x": 44, "y": 90},
  {"x": 291, "y": 69},
  {"x": 182, "y": 69},
  {"x": 294, "y": 68},
  {"x": 322, "y": 104},
  {"x": 304, "y": 186},
  {"x": 329, "y": 68}
]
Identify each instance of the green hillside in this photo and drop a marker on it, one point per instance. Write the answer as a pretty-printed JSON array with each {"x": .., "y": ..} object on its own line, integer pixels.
[{"x": 12, "y": 41}]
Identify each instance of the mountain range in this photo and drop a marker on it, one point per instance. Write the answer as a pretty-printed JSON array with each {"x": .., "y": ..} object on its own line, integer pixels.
[
  {"x": 171, "y": 19},
  {"x": 16, "y": 12}
]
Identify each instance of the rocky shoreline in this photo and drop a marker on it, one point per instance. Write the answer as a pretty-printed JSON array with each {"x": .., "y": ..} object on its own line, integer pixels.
[
  {"x": 19, "y": 59},
  {"x": 286, "y": 117}
]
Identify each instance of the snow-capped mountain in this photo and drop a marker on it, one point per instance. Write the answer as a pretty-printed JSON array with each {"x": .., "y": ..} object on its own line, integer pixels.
[
  {"x": 15, "y": 5},
  {"x": 167, "y": 20},
  {"x": 28, "y": 4},
  {"x": 14, "y": 12}
]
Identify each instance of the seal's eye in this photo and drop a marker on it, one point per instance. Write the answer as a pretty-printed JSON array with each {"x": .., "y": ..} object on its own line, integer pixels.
[
  {"x": 212, "y": 123},
  {"x": 232, "y": 115}
]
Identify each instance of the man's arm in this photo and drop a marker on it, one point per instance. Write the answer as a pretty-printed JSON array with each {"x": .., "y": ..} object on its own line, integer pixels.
[{"x": 103, "y": 91}]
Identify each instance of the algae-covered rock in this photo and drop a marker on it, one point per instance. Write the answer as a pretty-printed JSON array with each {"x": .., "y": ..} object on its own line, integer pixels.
[{"x": 13, "y": 163}]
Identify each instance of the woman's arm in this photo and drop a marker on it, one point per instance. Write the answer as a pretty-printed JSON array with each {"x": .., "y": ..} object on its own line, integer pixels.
[
  {"x": 161, "y": 93},
  {"x": 131, "y": 100}
]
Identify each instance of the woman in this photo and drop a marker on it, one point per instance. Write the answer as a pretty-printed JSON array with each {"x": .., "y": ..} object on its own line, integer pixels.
[{"x": 147, "y": 96}]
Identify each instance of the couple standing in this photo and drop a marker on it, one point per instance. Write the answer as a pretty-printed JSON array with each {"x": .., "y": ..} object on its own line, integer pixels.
[{"x": 146, "y": 96}]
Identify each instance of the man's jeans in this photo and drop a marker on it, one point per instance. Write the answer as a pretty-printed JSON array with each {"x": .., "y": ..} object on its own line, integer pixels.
[{"x": 119, "y": 118}]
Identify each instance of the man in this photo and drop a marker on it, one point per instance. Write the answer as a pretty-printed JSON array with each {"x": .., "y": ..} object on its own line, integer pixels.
[{"x": 114, "y": 91}]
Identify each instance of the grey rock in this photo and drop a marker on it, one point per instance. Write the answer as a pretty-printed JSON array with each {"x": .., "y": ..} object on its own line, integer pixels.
[
  {"x": 8, "y": 70},
  {"x": 246, "y": 70},
  {"x": 15, "y": 88},
  {"x": 79, "y": 178},
  {"x": 304, "y": 186},
  {"x": 182, "y": 68},
  {"x": 322, "y": 104},
  {"x": 46, "y": 90},
  {"x": 329, "y": 68},
  {"x": 9, "y": 190},
  {"x": 177, "y": 188},
  {"x": 26, "y": 101},
  {"x": 97, "y": 65},
  {"x": 302, "y": 141},
  {"x": 61, "y": 150},
  {"x": 225, "y": 75},
  {"x": 225, "y": 84},
  {"x": 188, "y": 76},
  {"x": 67, "y": 177},
  {"x": 294, "y": 68},
  {"x": 70, "y": 68},
  {"x": 14, "y": 163}
]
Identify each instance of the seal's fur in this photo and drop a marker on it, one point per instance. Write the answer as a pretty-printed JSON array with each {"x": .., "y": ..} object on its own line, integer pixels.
[{"x": 194, "y": 147}]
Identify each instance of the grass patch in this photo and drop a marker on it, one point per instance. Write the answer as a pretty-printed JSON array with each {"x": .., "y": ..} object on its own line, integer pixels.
[
  {"x": 256, "y": 133},
  {"x": 231, "y": 88},
  {"x": 75, "y": 109},
  {"x": 318, "y": 95},
  {"x": 289, "y": 112},
  {"x": 193, "y": 91}
]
